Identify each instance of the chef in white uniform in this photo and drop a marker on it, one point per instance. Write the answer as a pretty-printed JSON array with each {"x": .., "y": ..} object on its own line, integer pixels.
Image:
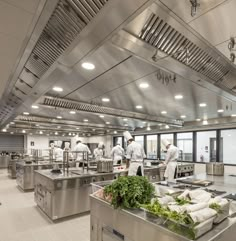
[
  {"x": 98, "y": 152},
  {"x": 80, "y": 147},
  {"x": 135, "y": 155},
  {"x": 171, "y": 160},
  {"x": 58, "y": 152},
  {"x": 117, "y": 154}
]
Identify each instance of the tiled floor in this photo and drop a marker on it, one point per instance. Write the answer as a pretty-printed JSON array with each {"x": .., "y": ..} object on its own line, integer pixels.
[{"x": 21, "y": 220}]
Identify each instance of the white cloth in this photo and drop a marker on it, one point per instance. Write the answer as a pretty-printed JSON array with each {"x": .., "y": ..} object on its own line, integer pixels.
[
  {"x": 196, "y": 207},
  {"x": 178, "y": 208},
  {"x": 117, "y": 153},
  {"x": 165, "y": 142},
  {"x": 133, "y": 168},
  {"x": 199, "y": 196},
  {"x": 184, "y": 195},
  {"x": 171, "y": 162},
  {"x": 202, "y": 215},
  {"x": 166, "y": 200},
  {"x": 58, "y": 154},
  {"x": 82, "y": 148},
  {"x": 127, "y": 135},
  {"x": 98, "y": 153}
]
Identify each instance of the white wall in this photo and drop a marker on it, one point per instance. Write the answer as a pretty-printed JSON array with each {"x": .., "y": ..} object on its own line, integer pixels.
[
  {"x": 201, "y": 168},
  {"x": 229, "y": 145}
]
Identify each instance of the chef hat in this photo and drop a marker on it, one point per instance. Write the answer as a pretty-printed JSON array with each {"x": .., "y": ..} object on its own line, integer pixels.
[
  {"x": 165, "y": 142},
  {"x": 100, "y": 145},
  {"x": 127, "y": 135},
  {"x": 67, "y": 144},
  {"x": 59, "y": 143}
]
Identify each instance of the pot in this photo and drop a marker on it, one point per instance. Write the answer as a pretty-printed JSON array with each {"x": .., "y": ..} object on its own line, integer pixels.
[
  {"x": 215, "y": 169},
  {"x": 105, "y": 165}
]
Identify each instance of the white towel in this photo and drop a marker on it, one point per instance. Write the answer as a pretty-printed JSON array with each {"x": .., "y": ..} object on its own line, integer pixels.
[
  {"x": 165, "y": 200},
  {"x": 219, "y": 200},
  {"x": 178, "y": 208},
  {"x": 196, "y": 207},
  {"x": 184, "y": 195},
  {"x": 199, "y": 196},
  {"x": 202, "y": 215}
]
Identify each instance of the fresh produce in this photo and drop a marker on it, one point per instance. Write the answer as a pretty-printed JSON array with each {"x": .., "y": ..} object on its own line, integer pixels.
[
  {"x": 216, "y": 207},
  {"x": 130, "y": 192},
  {"x": 182, "y": 201}
]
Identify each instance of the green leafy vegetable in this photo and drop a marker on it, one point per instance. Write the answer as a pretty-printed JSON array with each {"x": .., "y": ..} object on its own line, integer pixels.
[
  {"x": 181, "y": 201},
  {"x": 130, "y": 192},
  {"x": 216, "y": 207}
]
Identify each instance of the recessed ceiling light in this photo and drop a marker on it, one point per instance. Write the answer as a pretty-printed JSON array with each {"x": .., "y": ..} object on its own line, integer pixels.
[
  {"x": 37, "y": 125},
  {"x": 12, "y": 123},
  {"x": 101, "y": 116},
  {"x": 86, "y": 120},
  {"x": 183, "y": 116},
  {"x": 164, "y": 112},
  {"x": 198, "y": 119},
  {"x": 57, "y": 89},
  {"x": 4, "y": 130},
  {"x": 58, "y": 127},
  {"x": 63, "y": 134},
  {"x": 220, "y": 111},
  {"x": 26, "y": 113},
  {"x": 69, "y": 134},
  {"x": 115, "y": 132},
  {"x": 203, "y": 105},
  {"x": 205, "y": 122},
  {"x": 40, "y": 132},
  {"x": 72, "y": 112},
  {"x": 125, "y": 119},
  {"x": 12, "y": 133},
  {"x": 144, "y": 85},
  {"x": 23, "y": 131},
  {"x": 59, "y": 117},
  {"x": 34, "y": 107},
  {"x": 105, "y": 99},
  {"x": 148, "y": 128},
  {"x": 160, "y": 124},
  {"x": 87, "y": 65},
  {"x": 178, "y": 97},
  {"x": 94, "y": 129},
  {"x": 56, "y": 133},
  {"x": 233, "y": 115},
  {"x": 107, "y": 122},
  {"x": 144, "y": 122},
  {"x": 77, "y": 128},
  {"x": 139, "y": 107},
  {"x": 73, "y": 134},
  {"x": 167, "y": 127},
  {"x": 126, "y": 124}
]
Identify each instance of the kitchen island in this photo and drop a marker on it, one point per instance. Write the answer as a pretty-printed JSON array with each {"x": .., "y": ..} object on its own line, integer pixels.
[{"x": 135, "y": 225}]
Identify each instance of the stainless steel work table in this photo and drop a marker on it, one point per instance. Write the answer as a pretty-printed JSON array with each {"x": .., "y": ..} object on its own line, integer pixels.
[
  {"x": 134, "y": 225},
  {"x": 25, "y": 173},
  {"x": 67, "y": 193}
]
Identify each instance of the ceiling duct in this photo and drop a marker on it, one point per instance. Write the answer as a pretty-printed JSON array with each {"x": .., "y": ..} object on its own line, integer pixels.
[{"x": 93, "y": 108}]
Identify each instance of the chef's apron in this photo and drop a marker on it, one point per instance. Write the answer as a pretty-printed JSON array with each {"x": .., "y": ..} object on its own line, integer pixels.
[
  {"x": 136, "y": 169},
  {"x": 170, "y": 171}
]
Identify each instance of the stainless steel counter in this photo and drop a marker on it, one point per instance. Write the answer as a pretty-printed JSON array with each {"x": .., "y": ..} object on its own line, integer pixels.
[
  {"x": 25, "y": 173},
  {"x": 133, "y": 225},
  {"x": 4, "y": 161},
  {"x": 66, "y": 194}
]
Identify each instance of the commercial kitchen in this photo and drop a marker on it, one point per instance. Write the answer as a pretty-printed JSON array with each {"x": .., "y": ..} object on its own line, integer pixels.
[{"x": 117, "y": 120}]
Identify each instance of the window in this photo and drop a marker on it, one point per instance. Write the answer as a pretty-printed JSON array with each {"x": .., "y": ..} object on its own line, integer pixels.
[
  {"x": 185, "y": 145},
  {"x": 227, "y": 146},
  {"x": 206, "y": 146},
  {"x": 168, "y": 137},
  {"x": 152, "y": 146},
  {"x": 140, "y": 140}
]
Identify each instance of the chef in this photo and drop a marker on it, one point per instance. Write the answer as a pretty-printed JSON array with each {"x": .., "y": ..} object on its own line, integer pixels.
[
  {"x": 117, "y": 154},
  {"x": 170, "y": 160},
  {"x": 80, "y": 147},
  {"x": 134, "y": 155},
  {"x": 98, "y": 152},
  {"x": 59, "y": 152}
]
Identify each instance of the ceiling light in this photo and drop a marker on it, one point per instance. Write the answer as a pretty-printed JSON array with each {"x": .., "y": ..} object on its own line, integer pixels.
[
  {"x": 107, "y": 122},
  {"x": 125, "y": 119},
  {"x": 12, "y": 123},
  {"x": 94, "y": 129},
  {"x": 178, "y": 97},
  {"x": 148, "y": 128},
  {"x": 88, "y": 66},
  {"x": 220, "y": 111},
  {"x": 12, "y": 133},
  {"x": 183, "y": 116},
  {"x": 101, "y": 116},
  {"x": 229, "y": 135},
  {"x": 198, "y": 119},
  {"x": 144, "y": 122},
  {"x": 59, "y": 117},
  {"x": 205, "y": 122},
  {"x": 115, "y": 132},
  {"x": 34, "y": 107},
  {"x": 41, "y": 132},
  {"x": 126, "y": 124},
  {"x": 69, "y": 134},
  {"x": 85, "y": 120},
  {"x": 105, "y": 100},
  {"x": 72, "y": 112},
  {"x": 63, "y": 134},
  {"x": 23, "y": 131},
  {"x": 58, "y": 127},
  {"x": 233, "y": 115},
  {"x": 56, "y": 133},
  {"x": 203, "y": 105},
  {"x": 167, "y": 127},
  {"x": 57, "y": 89},
  {"x": 4, "y": 130},
  {"x": 139, "y": 107},
  {"x": 37, "y": 125},
  {"x": 26, "y": 113},
  {"x": 141, "y": 127},
  {"x": 164, "y": 112},
  {"x": 144, "y": 85},
  {"x": 73, "y": 134},
  {"x": 77, "y": 128},
  {"x": 160, "y": 124}
]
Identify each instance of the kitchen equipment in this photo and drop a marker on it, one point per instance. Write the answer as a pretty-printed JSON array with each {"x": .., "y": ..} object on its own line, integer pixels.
[
  {"x": 185, "y": 186},
  {"x": 231, "y": 196},
  {"x": 105, "y": 165},
  {"x": 196, "y": 182},
  {"x": 214, "y": 168}
]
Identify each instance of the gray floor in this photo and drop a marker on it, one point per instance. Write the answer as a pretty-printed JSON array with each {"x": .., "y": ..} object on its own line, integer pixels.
[{"x": 21, "y": 220}]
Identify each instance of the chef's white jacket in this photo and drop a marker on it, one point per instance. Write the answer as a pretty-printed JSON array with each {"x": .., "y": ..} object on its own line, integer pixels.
[{"x": 117, "y": 153}]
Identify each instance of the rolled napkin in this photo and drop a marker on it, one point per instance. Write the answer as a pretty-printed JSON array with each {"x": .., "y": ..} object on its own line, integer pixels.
[
  {"x": 196, "y": 207},
  {"x": 202, "y": 215},
  {"x": 184, "y": 195},
  {"x": 178, "y": 208},
  {"x": 200, "y": 196},
  {"x": 165, "y": 200},
  {"x": 219, "y": 200}
]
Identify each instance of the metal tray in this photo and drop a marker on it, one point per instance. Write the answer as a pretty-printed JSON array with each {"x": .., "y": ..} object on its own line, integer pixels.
[{"x": 195, "y": 182}]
